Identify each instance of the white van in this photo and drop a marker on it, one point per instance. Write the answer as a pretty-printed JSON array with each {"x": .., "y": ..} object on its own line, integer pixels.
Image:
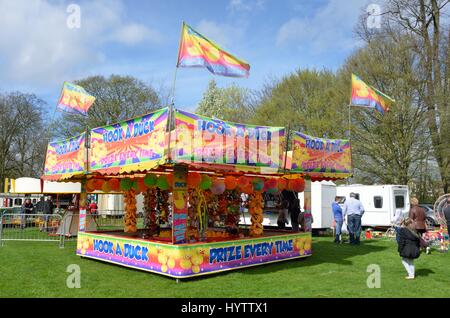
[{"x": 379, "y": 201}]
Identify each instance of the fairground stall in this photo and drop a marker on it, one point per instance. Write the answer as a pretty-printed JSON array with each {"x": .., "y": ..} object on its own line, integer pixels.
[{"x": 196, "y": 178}]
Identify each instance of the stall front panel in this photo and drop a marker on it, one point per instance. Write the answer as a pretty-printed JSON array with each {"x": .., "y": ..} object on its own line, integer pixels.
[
  {"x": 321, "y": 158},
  {"x": 187, "y": 260},
  {"x": 225, "y": 146},
  {"x": 65, "y": 158},
  {"x": 134, "y": 145}
]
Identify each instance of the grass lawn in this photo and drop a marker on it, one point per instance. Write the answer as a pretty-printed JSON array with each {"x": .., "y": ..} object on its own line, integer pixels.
[{"x": 38, "y": 269}]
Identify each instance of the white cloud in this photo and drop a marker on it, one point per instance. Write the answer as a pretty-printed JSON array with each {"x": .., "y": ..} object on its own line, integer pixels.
[
  {"x": 330, "y": 28},
  {"x": 222, "y": 34},
  {"x": 245, "y": 5},
  {"x": 135, "y": 33},
  {"x": 37, "y": 46}
]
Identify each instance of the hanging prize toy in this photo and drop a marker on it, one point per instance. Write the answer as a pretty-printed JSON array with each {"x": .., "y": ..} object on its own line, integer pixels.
[
  {"x": 256, "y": 212},
  {"x": 163, "y": 204},
  {"x": 130, "y": 211},
  {"x": 150, "y": 204},
  {"x": 193, "y": 218}
]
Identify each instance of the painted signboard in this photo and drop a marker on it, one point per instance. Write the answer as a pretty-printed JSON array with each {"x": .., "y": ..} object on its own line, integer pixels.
[
  {"x": 188, "y": 260},
  {"x": 135, "y": 144}
]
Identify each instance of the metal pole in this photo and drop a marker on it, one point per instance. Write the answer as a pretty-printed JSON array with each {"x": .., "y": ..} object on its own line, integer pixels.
[
  {"x": 286, "y": 147},
  {"x": 170, "y": 116},
  {"x": 1, "y": 229},
  {"x": 172, "y": 99},
  {"x": 350, "y": 138}
]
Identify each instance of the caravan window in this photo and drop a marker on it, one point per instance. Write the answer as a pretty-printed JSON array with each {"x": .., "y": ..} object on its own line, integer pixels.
[
  {"x": 399, "y": 201},
  {"x": 17, "y": 202},
  {"x": 378, "y": 202},
  {"x": 357, "y": 196}
]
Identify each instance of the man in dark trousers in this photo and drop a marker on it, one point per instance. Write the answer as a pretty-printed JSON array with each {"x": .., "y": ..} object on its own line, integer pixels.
[
  {"x": 293, "y": 207},
  {"x": 48, "y": 210},
  {"x": 354, "y": 211}
]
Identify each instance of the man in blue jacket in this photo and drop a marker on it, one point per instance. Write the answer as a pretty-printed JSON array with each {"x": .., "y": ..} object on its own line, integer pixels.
[{"x": 338, "y": 219}]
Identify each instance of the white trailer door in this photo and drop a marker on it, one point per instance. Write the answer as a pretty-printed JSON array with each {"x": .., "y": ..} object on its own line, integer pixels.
[{"x": 328, "y": 195}]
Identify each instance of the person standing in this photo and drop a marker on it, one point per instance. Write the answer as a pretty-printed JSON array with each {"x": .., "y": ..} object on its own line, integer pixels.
[
  {"x": 398, "y": 219},
  {"x": 48, "y": 206},
  {"x": 282, "y": 214},
  {"x": 354, "y": 211},
  {"x": 409, "y": 246},
  {"x": 293, "y": 208},
  {"x": 447, "y": 214},
  {"x": 417, "y": 215},
  {"x": 40, "y": 205},
  {"x": 27, "y": 208},
  {"x": 338, "y": 219},
  {"x": 48, "y": 211},
  {"x": 93, "y": 208}
]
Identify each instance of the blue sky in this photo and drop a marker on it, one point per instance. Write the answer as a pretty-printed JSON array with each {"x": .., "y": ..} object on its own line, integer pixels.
[{"x": 38, "y": 52}]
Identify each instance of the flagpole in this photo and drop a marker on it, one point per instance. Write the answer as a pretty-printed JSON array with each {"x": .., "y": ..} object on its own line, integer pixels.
[
  {"x": 350, "y": 137},
  {"x": 172, "y": 98},
  {"x": 47, "y": 133},
  {"x": 286, "y": 147}
]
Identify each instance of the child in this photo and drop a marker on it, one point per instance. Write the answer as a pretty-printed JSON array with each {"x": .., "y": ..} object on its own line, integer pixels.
[{"x": 409, "y": 246}]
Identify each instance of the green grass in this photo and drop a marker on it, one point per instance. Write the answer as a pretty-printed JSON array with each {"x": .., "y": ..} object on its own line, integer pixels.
[{"x": 38, "y": 269}]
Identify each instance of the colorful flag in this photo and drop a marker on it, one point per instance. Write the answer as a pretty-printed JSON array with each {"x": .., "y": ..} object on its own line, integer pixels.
[
  {"x": 197, "y": 51},
  {"x": 74, "y": 99},
  {"x": 367, "y": 96}
]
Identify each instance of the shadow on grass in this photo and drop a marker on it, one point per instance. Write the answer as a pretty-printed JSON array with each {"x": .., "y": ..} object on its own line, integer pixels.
[{"x": 424, "y": 272}]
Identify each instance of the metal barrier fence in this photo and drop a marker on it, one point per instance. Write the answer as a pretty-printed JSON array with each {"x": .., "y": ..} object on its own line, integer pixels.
[
  {"x": 57, "y": 227},
  {"x": 110, "y": 220},
  {"x": 31, "y": 227}
]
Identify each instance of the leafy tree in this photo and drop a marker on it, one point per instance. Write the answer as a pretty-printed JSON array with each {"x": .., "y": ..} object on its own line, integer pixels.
[
  {"x": 388, "y": 149},
  {"x": 309, "y": 101},
  {"x": 425, "y": 23},
  {"x": 231, "y": 103},
  {"x": 23, "y": 136}
]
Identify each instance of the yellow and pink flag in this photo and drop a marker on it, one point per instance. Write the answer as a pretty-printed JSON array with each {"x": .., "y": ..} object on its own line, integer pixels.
[
  {"x": 364, "y": 95},
  {"x": 74, "y": 99},
  {"x": 197, "y": 51}
]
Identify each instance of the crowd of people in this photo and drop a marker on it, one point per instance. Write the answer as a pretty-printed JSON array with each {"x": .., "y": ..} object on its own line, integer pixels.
[{"x": 410, "y": 229}]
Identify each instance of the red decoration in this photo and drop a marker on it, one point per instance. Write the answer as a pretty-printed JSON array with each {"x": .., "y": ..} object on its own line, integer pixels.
[
  {"x": 297, "y": 185},
  {"x": 114, "y": 184},
  {"x": 194, "y": 179},
  {"x": 90, "y": 185},
  {"x": 230, "y": 182},
  {"x": 243, "y": 181},
  {"x": 141, "y": 185},
  {"x": 271, "y": 183},
  {"x": 98, "y": 184},
  {"x": 282, "y": 184}
]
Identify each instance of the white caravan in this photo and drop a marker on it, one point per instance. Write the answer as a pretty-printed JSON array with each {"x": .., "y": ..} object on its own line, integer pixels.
[{"x": 379, "y": 201}]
